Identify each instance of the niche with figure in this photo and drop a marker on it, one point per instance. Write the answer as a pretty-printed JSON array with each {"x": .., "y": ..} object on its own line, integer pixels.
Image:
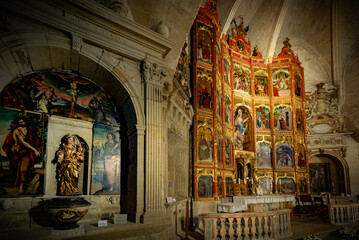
[{"x": 243, "y": 132}]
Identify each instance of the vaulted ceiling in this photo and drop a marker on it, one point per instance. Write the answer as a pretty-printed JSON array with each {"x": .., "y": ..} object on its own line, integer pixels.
[{"x": 324, "y": 34}]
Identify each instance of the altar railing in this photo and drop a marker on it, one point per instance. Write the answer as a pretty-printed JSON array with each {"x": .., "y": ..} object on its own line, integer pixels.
[
  {"x": 344, "y": 213},
  {"x": 266, "y": 225}
]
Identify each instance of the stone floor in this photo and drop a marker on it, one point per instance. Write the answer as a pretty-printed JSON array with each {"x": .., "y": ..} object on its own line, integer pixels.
[
  {"x": 301, "y": 227},
  {"x": 318, "y": 226}
]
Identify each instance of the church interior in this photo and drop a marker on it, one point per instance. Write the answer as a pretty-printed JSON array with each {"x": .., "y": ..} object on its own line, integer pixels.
[{"x": 165, "y": 119}]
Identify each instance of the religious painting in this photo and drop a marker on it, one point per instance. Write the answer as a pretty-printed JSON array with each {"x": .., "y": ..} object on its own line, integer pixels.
[
  {"x": 106, "y": 160},
  {"x": 204, "y": 48},
  {"x": 282, "y": 118},
  {"x": 219, "y": 102},
  {"x": 262, "y": 118},
  {"x": 242, "y": 125},
  {"x": 286, "y": 185},
  {"x": 220, "y": 185},
  {"x": 297, "y": 82},
  {"x": 205, "y": 186},
  {"x": 219, "y": 150},
  {"x": 227, "y": 71},
  {"x": 58, "y": 93},
  {"x": 284, "y": 155},
  {"x": 229, "y": 186},
  {"x": 227, "y": 109},
  {"x": 218, "y": 54},
  {"x": 301, "y": 156},
  {"x": 204, "y": 91},
  {"x": 281, "y": 83},
  {"x": 261, "y": 86},
  {"x": 266, "y": 184},
  {"x": 22, "y": 137},
  {"x": 264, "y": 158},
  {"x": 319, "y": 177},
  {"x": 228, "y": 151},
  {"x": 242, "y": 79},
  {"x": 299, "y": 120},
  {"x": 302, "y": 185},
  {"x": 205, "y": 140}
]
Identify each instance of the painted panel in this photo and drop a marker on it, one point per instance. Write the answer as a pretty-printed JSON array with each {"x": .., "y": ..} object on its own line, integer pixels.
[
  {"x": 106, "y": 160},
  {"x": 284, "y": 155},
  {"x": 205, "y": 186},
  {"x": 264, "y": 158},
  {"x": 59, "y": 93},
  {"x": 282, "y": 118},
  {"x": 319, "y": 177},
  {"x": 286, "y": 185},
  {"x": 281, "y": 83},
  {"x": 23, "y": 137},
  {"x": 262, "y": 118}
]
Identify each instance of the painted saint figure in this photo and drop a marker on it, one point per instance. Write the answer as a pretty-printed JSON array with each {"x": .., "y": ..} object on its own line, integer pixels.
[
  {"x": 20, "y": 147},
  {"x": 112, "y": 157},
  {"x": 69, "y": 157},
  {"x": 203, "y": 148}
]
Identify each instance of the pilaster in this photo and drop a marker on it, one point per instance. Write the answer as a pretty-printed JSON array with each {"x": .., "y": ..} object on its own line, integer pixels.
[{"x": 153, "y": 77}]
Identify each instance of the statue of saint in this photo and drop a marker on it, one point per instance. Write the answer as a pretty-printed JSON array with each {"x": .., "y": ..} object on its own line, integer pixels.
[{"x": 69, "y": 156}]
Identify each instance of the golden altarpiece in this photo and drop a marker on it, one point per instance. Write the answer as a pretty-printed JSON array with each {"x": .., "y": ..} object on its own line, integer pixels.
[{"x": 249, "y": 122}]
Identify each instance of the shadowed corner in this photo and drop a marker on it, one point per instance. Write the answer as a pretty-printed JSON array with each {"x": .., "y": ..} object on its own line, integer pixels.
[{"x": 38, "y": 215}]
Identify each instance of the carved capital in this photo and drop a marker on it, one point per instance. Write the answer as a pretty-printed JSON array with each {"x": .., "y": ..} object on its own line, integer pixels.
[{"x": 152, "y": 74}]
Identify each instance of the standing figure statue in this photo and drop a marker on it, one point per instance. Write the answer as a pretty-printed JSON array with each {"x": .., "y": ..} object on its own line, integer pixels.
[{"x": 69, "y": 156}]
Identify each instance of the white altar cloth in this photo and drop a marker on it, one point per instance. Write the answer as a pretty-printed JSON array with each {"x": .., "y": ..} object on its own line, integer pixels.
[{"x": 240, "y": 203}]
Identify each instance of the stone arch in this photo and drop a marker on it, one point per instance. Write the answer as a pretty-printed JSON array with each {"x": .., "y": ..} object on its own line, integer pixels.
[
  {"x": 339, "y": 161},
  {"x": 26, "y": 53}
]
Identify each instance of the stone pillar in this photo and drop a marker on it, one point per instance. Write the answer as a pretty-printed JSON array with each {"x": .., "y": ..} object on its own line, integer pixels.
[
  {"x": 153, "y": 77},
  {"x": 135, "y": 200}
]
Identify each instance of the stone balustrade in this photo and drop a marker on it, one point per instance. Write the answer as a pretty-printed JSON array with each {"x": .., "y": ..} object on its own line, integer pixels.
[
  {"x": 267, "y": 225},
  {"x": 344, "y": 214}
]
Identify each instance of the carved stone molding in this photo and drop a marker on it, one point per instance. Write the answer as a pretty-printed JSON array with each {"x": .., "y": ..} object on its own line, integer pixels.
[
  {"x": 179, "y": 118},
  {"x": 76, "y": 42},
  {"x": 322, "y": 112},
  {"x": 335, "y": 143},
  {"x": 153, "y": 74}
]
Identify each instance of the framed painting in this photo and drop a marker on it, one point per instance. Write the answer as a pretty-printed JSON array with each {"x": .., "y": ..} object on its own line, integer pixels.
[
  {"x": 22, "y": 159},
  {"x": 319, "y": 177},
  {"x": 286, "y": 185},
  {"x": 262, "y": 118},
  {"x": 281, "y": 83},
  {"x": 264, "y": 159},
  {"x": 266, "y": 184},
  {"x": 261, "y": 86},
  {"x": 106, "y": 160},
  {"x": 205, "y": 186},
  {"x": 229, "y": 186},
  {"x": 282, "y": 118},
  {"x": 284, "y": 155}
]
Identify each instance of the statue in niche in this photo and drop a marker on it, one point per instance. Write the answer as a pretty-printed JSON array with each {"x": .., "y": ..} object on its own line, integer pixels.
[
  {"x": 240, "y": 128},
  {"x": 69, "y": 156}
]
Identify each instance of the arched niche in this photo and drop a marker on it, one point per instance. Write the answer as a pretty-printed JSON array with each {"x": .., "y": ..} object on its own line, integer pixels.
[
  {"x": 243, "y": 129},
  {"x": 332, "y": 172},
  {"x": 39, "y": 54}
]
